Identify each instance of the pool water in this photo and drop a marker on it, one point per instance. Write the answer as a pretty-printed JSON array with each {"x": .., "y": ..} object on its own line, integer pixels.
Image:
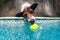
[{"x": 18, "y": 29}]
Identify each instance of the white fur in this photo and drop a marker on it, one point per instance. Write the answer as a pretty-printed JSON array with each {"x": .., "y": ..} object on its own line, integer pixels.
[{"x": 25, "y": 5}]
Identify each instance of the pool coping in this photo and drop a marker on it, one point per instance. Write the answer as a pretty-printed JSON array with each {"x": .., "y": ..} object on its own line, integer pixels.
[{"x": 38, "y": 18}]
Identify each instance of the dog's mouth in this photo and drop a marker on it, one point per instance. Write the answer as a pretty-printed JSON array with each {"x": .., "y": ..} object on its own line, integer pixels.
[{"x": 32, "y": 21}]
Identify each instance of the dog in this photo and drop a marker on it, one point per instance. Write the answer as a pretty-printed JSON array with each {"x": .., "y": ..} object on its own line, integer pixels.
[{"x": 28, "y": 13}]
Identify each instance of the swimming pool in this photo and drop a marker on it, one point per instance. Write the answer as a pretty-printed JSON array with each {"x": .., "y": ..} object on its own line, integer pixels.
[{"x": 14, "y": 28}]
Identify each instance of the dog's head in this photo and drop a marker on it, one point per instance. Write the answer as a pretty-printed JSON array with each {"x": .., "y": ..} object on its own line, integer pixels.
[
  {"x": 29, "y": 15},
  {"x": 28, "y": 8},
  {"x": 27, "y": 11}
]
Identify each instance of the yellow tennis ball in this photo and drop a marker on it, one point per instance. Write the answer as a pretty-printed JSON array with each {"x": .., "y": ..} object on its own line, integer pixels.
[{"x": 34, "y": 27}]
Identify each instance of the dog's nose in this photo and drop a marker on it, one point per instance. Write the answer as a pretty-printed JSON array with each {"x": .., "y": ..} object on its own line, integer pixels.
[{"x": 32, "y": 21}]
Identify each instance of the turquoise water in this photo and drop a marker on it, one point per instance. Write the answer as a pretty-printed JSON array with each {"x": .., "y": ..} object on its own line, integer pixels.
[{"x": 18, "y": 29}]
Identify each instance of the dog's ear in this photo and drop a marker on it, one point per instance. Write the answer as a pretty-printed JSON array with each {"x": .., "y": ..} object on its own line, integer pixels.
[
  {"x": 33, "y": 6},
  {"x": 19, "y": 14}
]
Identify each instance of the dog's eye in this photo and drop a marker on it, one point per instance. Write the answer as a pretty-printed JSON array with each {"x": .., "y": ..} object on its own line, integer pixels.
[
  {"x": 31, "y": 11},
  {"x": 25, "y": 15}
]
